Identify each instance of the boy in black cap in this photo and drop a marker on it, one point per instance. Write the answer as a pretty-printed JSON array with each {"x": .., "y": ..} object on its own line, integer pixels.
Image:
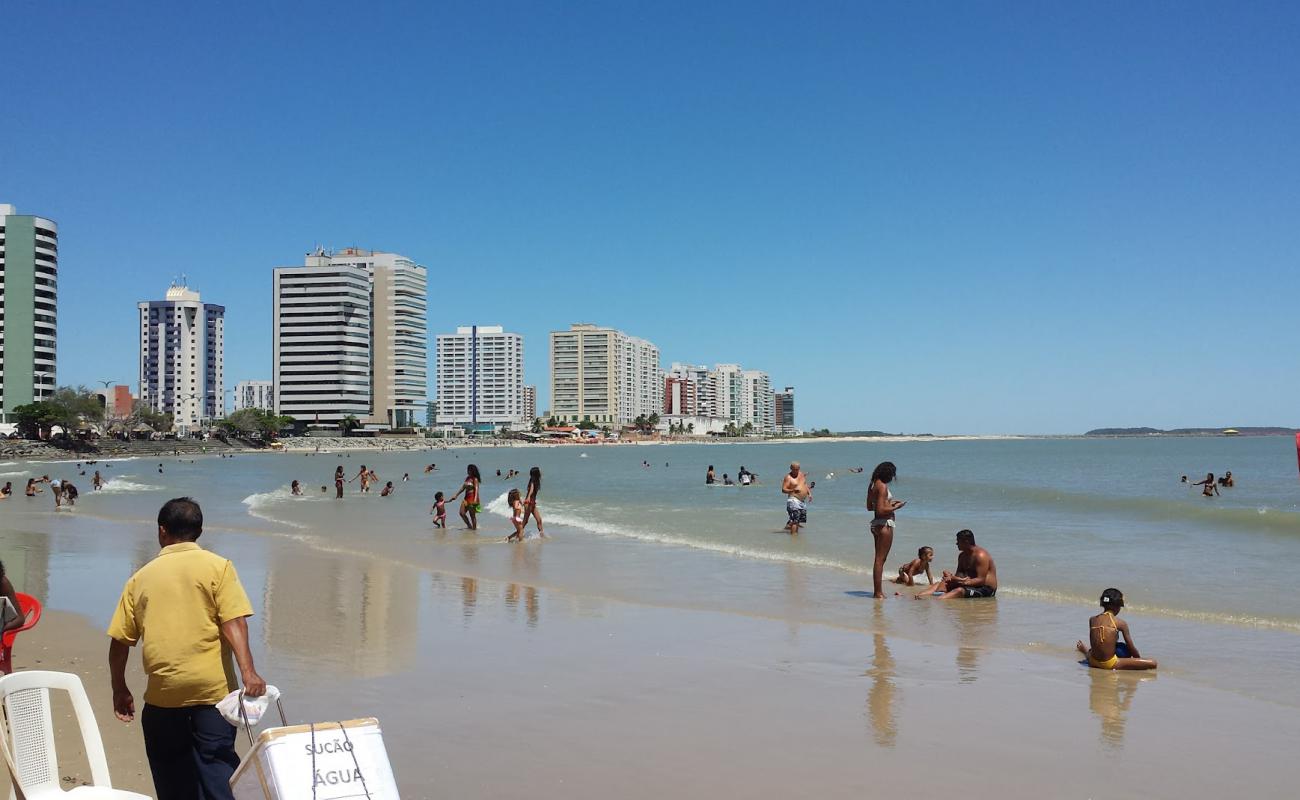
[{"x": 1104, "y": 629}]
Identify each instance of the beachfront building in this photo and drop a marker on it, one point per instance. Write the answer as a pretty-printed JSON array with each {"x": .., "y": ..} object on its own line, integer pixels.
[
  {"x": 254, "y": 394},
  {"x": 603, "y": 376},
  {"x": 29, "y": 273},
  {"x": 715, "y": 397},
  {"x": 117, "y": 401},
  {"x": 350, "y": 339},
  {"x": 399, "y": 339},
  {"x": 783, "y": 409},
  {"x": 480, "y": 379},
  {"x": 182, "y": 357},
  {"x": 530, "y": 404}
]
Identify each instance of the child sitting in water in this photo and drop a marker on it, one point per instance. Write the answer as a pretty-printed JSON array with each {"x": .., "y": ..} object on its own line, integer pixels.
[
  {"x": 387, "y": 490},
  {"x": 516, "y": 516},
  {"x": 908, "y": 572},
  {"x": 1106, "y": 651},
  {"x": 439, "y": 511}
]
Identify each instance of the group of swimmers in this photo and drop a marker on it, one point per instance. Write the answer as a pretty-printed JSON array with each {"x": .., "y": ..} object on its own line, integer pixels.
[
  {"x": 744, "y": 477},
  {"x": 1210, "y": 487}
]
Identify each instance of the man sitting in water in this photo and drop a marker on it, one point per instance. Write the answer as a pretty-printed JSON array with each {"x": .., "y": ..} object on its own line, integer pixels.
[
  {"x": 976, "y": 576},
  {"x": 1104, "y": 631}
]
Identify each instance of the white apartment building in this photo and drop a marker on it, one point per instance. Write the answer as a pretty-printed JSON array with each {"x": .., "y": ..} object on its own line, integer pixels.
[
  {"x": 744, "y": 396},
  {"x": 182, "y": 357},
  {"x": 480, "y": 378},
  {"x": 725, "y": 393},
  {"x": 350, "y": 339},
  {"x": 254, "y": 394},
  {"x": 603, "y": 376}
]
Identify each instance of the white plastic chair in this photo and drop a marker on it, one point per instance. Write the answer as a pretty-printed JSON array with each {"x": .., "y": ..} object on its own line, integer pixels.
[{"x": 32, "y": 762}]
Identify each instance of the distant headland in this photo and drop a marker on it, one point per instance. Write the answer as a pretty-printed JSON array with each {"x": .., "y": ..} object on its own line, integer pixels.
[{"x": 1190, "y": 432}]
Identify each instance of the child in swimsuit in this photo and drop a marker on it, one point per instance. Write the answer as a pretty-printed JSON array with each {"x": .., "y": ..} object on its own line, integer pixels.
[
  {"x": 921, "y": 564},
  {"x": 1106, "y": 650},
  {"x": 516, "y": 516},
  {"x": 439, "y": 511}
]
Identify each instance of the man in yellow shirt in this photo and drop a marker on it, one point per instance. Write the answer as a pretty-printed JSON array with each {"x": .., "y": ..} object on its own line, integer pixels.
[{"x": 190, "y": 611}]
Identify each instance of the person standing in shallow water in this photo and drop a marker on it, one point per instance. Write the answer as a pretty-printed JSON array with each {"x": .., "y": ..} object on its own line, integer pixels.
[
  {"x": 469, "y": 507},
  {"x": 338, "y": 482},
  {"x": 881, "y": 502},
  {"x": 530, "y": 498}
]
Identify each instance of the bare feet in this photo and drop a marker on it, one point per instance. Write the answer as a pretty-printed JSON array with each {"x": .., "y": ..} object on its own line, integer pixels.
[{"x": 1079, "y": 646}]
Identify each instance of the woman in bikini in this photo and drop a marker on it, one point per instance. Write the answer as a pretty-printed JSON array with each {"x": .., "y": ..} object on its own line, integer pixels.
[
  {"x": 530, "y": 498},
  {"x": 469, "y": 507},
  {"x": 338, "y": 482},
  {"x": 882, "y": 505},
  {"x": 1103, "y": 634},
  {"x": 1211, "y": 489}
]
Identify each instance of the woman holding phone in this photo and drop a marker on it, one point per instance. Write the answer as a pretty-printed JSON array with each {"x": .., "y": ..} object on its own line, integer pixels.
[{"x": 881, "y": 502}]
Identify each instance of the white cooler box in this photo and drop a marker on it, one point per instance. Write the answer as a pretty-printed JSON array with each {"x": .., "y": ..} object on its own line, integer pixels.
[{"x": 350, "y": 761}]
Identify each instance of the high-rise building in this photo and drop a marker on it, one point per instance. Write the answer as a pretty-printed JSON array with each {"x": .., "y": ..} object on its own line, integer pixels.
[
  {"x": 29, "y": 278},
  {"x": 688, "y": 391},
  {"x": 480, "y": 376},
  {"x": 182, "y": 357},
  {"x": 603, "y": 376},
  {"x": 744, "y": 396},
  {"x": 254, "y": 394},
  {"x": 784, "y": 410},
  {"x": 350, "y": 339},
  {"x": 530, "y": 404}
]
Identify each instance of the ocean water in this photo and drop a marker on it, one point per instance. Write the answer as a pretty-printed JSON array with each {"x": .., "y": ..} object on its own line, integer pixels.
[{"x": 1207, "y": 580}]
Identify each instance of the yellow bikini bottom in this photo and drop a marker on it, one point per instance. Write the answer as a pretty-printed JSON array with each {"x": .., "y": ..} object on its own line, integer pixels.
[{"x": 1107, "y": 664}]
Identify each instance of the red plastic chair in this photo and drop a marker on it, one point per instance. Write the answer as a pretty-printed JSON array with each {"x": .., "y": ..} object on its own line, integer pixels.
[{"x": 31, "y": 608}]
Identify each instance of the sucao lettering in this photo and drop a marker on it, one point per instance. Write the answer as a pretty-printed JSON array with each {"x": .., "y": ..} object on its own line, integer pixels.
[{"x": 332, "y": 746}]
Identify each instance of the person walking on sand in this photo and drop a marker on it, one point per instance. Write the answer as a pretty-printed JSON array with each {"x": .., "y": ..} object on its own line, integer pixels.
[
  {"x": 338, "y": 482},
  {"x": 190, "y": 610},
  {"x": 976, "y": 575},
  {"x": 1104, "y": 630},
  {"x": 530, "y": 498},
  {"x": 882, "y": 505},
  {"x": 1211, "y": 489},
  {"x": 795, "y": 488},
  {"x": 469, "y": 507}
]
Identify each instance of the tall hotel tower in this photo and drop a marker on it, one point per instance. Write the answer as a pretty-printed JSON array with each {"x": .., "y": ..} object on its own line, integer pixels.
[
  {"x": 182, "y": 357},
  {"x": 350, "y": 339},
  {"x": 603, "y": 376},
  {"x": 481, "y": 378},
  {"x": 29, "y": 275}
]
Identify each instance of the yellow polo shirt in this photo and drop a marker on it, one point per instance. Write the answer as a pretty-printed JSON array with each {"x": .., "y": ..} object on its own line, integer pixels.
[{"x": 176, "y": 604}]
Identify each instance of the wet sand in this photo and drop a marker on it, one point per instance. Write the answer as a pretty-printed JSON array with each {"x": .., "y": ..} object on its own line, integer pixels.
[{"x": 496, "y": 689}]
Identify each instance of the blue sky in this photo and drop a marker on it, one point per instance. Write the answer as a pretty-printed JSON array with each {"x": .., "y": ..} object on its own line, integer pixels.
[{"x": 949, "y": 217}]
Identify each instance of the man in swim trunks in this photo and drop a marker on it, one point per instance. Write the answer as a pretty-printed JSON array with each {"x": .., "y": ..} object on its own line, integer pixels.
[
  {"x": 976, "y": 576},
  {"x": 795, "y": 489}
]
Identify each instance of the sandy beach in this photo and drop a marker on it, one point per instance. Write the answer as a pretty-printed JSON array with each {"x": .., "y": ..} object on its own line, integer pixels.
[{"x": 666, "y": 641}]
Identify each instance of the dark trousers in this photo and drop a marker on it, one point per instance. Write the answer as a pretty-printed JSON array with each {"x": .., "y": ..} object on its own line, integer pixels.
[{"x": 191, "y": 752}]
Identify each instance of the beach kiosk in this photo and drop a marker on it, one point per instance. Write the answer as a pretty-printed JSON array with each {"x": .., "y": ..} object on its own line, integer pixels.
[{"x": 321, "y": 761}]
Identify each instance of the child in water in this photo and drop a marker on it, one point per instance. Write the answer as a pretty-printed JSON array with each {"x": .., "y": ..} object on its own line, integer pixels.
[
  {"x": 387, "y": 490},
  {"x": 516, "y": 516},
  {"x": 1106, "y": 650},
  {"x": 921, "y": 564},
  {"x": 439, "y": 511}
]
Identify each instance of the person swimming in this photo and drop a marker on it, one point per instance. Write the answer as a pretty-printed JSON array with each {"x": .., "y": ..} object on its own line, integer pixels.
[
  {"x": 1104, "y": 630},
  {"x": 1211, "y": 488}
]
